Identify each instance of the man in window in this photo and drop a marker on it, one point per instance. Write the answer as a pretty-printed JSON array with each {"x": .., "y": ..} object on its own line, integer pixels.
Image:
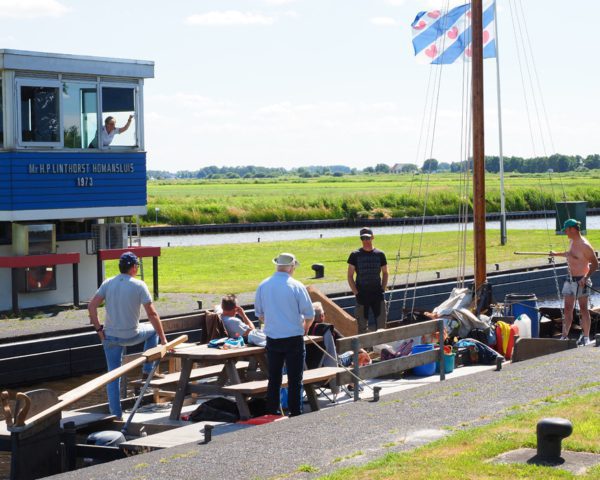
[{"x": 109, "y": 130}]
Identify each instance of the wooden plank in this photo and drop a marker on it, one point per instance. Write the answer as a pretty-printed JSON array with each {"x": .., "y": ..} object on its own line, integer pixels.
[
  {"x": 387, "y": 367},
  {"x": 197, "y": 373},
  {"x": 368, "y": 340},
  {"x": 84, "y": 419},
  {"x": 170, "y": 438},
  {"x": 186, "y": 322},
  {"x": 260, "y": 386},
  {"x": 83, "y": 390},
  {"x": 528, "y": 348},
  {"x": 343, "y": 322}
]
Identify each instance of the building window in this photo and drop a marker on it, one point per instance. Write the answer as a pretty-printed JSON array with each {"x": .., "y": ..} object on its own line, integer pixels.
[
  {"x": 80, "y": 114},
  {"x": 39, "y": 115},
  {"x": 119, "y": 103}
]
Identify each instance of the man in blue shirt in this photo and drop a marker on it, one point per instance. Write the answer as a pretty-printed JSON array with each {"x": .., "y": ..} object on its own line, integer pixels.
[{"x": 285, "y": 307}]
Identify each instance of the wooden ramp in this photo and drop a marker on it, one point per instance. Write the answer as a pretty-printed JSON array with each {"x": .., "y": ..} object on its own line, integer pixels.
[{"x": 342, "y": 321}]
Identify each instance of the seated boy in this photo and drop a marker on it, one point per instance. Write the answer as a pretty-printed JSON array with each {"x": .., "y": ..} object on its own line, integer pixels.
[{"x": 237, "y": 323}]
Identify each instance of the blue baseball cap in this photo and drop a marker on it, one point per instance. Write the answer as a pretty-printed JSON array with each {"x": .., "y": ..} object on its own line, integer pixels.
[
  {"x": 571, "y": 222},
  {"x": 128, "y": 260}
]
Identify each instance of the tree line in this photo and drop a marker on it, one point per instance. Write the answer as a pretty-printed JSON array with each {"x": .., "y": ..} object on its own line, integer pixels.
[{"x": 556, "y": 163}]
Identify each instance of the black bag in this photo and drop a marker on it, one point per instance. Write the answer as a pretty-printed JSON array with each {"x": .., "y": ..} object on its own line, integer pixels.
[
  {"x": 257, "y": 406},
  {"x": 480, "y": 335},
  {"x": 218, "y": 409}
]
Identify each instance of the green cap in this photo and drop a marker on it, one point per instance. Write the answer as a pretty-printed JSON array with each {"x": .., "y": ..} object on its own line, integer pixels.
[{"x": 571, "y": 222}]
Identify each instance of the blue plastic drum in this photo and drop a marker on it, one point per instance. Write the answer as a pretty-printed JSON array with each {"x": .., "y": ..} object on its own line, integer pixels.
[{"x": 516, "y": 304}]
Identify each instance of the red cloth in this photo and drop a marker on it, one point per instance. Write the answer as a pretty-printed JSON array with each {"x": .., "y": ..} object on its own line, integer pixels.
[{"x": 261, "y": 420}]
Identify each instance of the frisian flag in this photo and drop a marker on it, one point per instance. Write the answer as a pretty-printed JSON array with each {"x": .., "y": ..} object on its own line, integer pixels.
[{"x": 441, "y": 37}]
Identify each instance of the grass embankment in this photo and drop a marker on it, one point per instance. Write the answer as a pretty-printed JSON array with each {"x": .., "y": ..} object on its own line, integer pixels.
[
  {"x": 235, "y": 268},
  {"x": 466, "y": 455},
  {"x": 191, "y": 202}
]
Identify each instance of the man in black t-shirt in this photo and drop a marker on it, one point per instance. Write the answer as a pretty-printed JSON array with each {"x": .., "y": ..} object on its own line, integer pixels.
[{"x": 370, "y": 266}]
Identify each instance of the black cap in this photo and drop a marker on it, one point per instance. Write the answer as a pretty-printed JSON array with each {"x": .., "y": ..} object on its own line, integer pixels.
[{"x": 366, "y": 232}]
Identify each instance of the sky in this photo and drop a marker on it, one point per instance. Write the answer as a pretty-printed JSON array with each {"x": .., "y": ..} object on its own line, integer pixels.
[{"x": 290, "y": 83}]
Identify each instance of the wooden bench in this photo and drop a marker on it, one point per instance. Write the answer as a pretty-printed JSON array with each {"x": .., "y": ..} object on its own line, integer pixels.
[
  {"x": 171, "y": 379},
  {"x": 242, "y": 391}
]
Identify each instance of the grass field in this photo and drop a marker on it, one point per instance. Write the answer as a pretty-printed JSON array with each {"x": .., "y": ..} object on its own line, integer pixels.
[
  {"x": 236, "y": 268},
  {"x": 188, "y": 202},
  {"x": 466, "y": 455}
]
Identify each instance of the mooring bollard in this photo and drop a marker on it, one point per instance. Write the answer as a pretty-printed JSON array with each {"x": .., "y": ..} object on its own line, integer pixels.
[
  {"x": 376, "y": 391},
  {"x": 499, "y": 362},
  {"x": 207, "y": 433},
  {"x": 199, "y": 304},
  {"x": 550, "y": 432},
  {"x": 319, "y": 270}
]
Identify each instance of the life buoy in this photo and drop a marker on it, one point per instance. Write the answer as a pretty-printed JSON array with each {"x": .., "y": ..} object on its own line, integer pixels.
[{"x": 40, "y": 278}]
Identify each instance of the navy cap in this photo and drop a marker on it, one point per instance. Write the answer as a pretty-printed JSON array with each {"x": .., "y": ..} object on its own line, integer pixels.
[{"x": 128, "y": 260}]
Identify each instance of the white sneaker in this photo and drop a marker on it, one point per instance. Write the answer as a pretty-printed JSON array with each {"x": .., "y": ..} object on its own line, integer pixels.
[
  {"x": 563, "y": 338},
  {"x": 583, "y": 341}
]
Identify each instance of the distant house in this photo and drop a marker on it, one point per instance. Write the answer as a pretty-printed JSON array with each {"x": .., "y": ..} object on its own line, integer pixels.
[{"x": 399, "y": 167}]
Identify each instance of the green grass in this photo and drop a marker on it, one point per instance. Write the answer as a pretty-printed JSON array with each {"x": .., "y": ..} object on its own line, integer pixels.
[
  {"x": 466, "y": 455},
  {"x": 236, "y": 268},
  {"x": 187, "y": 202}
]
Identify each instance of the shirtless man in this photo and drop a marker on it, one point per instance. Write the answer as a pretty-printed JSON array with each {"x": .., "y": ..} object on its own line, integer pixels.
[{"x": 582, "y": 263}]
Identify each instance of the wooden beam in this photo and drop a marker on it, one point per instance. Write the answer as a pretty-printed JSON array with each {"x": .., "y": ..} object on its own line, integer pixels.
[
  {"x": 368, "y": 340},
  {"x": 343, "y": 322},
  {"x": 30, "y": 261},
  {"x": 115, "y": 253},
  {"x": 389, "y": 367}
]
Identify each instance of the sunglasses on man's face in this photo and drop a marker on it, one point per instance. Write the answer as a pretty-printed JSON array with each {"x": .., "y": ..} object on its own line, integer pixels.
[{"x": 365, "y": 238}]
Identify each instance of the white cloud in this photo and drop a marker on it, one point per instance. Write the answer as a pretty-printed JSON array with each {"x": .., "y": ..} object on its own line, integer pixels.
[
  {"x": 278, "y": 2},
  {"x": 31, "y": 8},
  {"x": 229, "y": 18},
  {"x": 395, "y": 3},
  {"x": 384, "y": 22}
]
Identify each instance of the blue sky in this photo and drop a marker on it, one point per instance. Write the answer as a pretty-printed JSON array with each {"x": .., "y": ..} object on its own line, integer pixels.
[{"x": 318, "y": 82}]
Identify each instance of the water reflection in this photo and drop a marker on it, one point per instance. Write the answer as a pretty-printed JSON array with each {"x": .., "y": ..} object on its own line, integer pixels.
[{"x": 285, "y": 235}]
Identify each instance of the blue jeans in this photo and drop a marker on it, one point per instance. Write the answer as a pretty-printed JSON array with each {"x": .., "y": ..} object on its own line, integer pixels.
[
  {"x": 114, "y": 348},
  {"x": 290, "y": 351}
]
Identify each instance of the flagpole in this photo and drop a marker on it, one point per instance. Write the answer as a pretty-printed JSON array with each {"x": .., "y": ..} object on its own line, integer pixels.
[{"x": 503, "y": 236}]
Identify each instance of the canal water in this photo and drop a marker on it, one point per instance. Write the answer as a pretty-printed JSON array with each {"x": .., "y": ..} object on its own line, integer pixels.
[{"x": 592, "y": 223}]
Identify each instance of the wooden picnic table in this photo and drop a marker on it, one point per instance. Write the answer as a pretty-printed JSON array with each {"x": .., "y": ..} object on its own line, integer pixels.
[{"x": 228, "y": 376}]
